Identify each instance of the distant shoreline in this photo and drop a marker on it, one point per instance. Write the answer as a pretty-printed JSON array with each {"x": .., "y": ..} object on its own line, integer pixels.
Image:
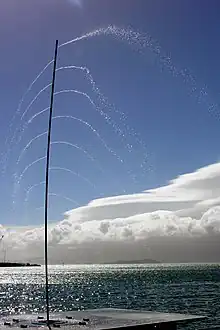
[
  {"x": 18, "y": 264},
  {"x": 136, "y": 262},
  {"x": 129, "y": 262},
  {"x": 119, "y": 262}
]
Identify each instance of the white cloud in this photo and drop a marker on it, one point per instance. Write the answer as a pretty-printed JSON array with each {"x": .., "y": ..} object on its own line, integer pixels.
[{"x": 184, "y": 214}]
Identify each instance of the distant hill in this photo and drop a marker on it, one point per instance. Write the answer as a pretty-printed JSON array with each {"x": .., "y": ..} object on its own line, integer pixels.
[
  {"x": 129, "y": 262},
  {"x": 118, "y": 262}
]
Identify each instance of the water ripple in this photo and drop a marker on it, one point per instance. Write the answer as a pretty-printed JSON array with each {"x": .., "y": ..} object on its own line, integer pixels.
[{"x": 191, "y": 289}]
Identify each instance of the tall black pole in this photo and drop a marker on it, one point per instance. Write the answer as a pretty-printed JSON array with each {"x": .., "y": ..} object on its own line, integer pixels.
[{"x": 47, "y": 184}]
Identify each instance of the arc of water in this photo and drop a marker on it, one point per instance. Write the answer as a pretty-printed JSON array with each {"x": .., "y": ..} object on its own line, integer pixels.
[
  {"x": 103, "y": 100},
  {"x": 34, "y": 99},
  {"x": 95, "y": 88},
  {"x": 143, "y": 41},
  {"x": 90, "y": 34},
  {"x": 60, "y": 196},
  {"x": 94, "y": 131},
  {"x": 28, "y": 108},
  {"x": 39, "y": 208},
  {"x": 106, "y": 103},
  {"x": 75, "y": 67},
  {"x": 107, "y": 118},
  {"x": 88, "y": 97},
  {"x": 51, "y": 194},
  {"x": 31, "y": 85},
  {"x": 83, "y": 122},
  {"x": 108, "y": 30},
  {"x": 128, "y": 35},
  {"x": 20, "y": 177},
  {"x": 23, "y": 152},
  {"x": 74, "y": 118},
  {"x": 28, "y": 145},
  {"x": 65, "y": 197},
  {"x": 24, "y": 126},
  {"x": 24, "y": 96},
  {"x": 78, "y": 148},
  {"x": 85, "y": 36},
  {"x": 44, "y": 110},
  {"x": 38, "y": 114},
  {"x": 131, "y": 37},
  {"x": 28, "y": 191},
  {"x": 56, "y": 168},
  {"x": 89, "y": 78},
  {"x": 27, "y": 194}
]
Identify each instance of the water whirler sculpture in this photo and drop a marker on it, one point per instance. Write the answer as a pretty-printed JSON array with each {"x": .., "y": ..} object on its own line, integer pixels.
[{"x": 91, "y": 319}]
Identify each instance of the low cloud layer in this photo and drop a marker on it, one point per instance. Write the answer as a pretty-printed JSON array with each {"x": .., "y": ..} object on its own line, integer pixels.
[{"x": 174, "y": 223}]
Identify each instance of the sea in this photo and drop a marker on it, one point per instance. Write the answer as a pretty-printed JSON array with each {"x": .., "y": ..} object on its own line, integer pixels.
[{"x": 182, "y": 288}]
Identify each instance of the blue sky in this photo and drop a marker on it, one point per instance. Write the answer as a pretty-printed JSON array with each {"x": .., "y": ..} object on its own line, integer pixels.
[{"x": 178, "y": 131}]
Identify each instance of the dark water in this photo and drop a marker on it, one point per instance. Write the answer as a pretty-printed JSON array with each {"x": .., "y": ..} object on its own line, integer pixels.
[{"x": 191, "y": 289}]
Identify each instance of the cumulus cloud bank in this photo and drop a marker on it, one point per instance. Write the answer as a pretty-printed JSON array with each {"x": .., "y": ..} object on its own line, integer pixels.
[{"x": 176, "y": 222}]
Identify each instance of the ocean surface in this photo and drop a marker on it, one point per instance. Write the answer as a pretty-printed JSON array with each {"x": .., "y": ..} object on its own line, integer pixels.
[{"x": 184, "y": 288}]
